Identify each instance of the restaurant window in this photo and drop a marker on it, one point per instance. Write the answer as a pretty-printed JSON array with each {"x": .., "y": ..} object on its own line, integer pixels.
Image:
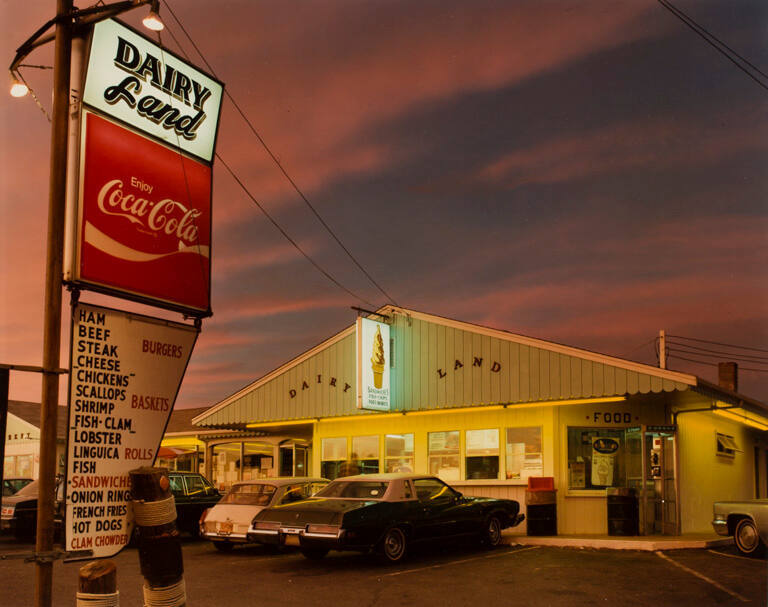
[
  {"x": 333, "y": 454},
  {"x": 482, "y": 454},
  {"x": 399, "y": 452},
  {"x": 726, "y": 445},
  {"x": 523, "y": 450},
  {"x": 596, "y": 458},
  {"x": 257, "y": 460},
  {"x": 226, "y": 465},
  {"x": 365, "y": 454},
  {"x": 444, "y": 455}
]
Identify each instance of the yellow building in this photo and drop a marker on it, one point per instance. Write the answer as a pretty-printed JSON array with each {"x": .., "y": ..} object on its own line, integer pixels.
[{"x": 486, "y": 410}]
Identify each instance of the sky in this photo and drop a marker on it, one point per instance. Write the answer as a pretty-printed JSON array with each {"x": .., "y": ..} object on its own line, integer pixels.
[{"x": 585, "y": 172}]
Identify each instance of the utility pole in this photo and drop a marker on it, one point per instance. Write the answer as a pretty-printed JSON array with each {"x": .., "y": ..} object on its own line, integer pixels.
[
  {"x": 662, "y": 349},
  {"x": 52, "y": 306}
]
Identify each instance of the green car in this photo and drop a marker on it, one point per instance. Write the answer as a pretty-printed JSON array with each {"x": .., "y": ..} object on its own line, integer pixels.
[
  {"x": 387, "y": 513},
  {"x": 194, "y": 494}
]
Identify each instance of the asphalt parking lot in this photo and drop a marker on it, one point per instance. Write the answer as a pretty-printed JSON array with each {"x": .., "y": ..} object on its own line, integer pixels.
[{"x": 439, "y": 577}]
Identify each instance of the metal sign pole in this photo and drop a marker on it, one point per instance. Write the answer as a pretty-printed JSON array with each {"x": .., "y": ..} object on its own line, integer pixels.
[{"x": 52, "y": 321}]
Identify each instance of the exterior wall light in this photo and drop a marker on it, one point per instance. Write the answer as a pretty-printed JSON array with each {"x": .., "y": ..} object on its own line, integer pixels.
[
  {"x": 18, "y": 88},
  {"x": 152, "y": 21}
]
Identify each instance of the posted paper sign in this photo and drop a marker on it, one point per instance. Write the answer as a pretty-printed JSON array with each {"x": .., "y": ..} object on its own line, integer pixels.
[
  {"x": 125, "y": 373},
  {"x": 373, "y": 364}
]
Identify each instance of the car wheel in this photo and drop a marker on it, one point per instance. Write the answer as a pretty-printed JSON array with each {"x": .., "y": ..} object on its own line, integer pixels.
[
  {"x": 223, "y": 546},
  {"x": 748, "y": 539},
  {"x": 314, "y": 554},
  {"x": 491, "y": 532},
  {"x": 394, "y": 545}
]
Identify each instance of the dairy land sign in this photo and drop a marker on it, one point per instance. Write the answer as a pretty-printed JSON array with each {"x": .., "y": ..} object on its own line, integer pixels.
[
  {"x": 143, "y": 226},
  {"x": 126, "y": 371},
  {"x": 131, "y": 78}
]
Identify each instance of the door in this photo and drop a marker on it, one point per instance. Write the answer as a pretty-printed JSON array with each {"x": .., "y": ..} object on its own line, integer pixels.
[
  {"x": 659, "y": 495},
  {"x": 286, "y": 461},
  {"x": 439, "y": 509}
]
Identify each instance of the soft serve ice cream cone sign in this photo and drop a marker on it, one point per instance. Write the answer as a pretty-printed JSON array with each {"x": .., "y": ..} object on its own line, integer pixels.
[{"x": 373, "y": 364}]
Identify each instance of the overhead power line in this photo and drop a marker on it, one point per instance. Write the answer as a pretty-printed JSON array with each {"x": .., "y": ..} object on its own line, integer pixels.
[
  {"x": 279, "y": 165},
  {"x": 740, "y": 62},
  {"x": 711, "y": 364},
  {"x": 717, "y": 343}
]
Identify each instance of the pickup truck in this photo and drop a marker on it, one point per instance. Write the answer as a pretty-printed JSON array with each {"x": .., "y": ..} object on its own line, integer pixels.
[{"x": 746, "y": 521}]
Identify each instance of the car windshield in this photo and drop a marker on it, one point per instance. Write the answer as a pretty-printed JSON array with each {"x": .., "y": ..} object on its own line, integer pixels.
[
  {"x": 30, "y": 489},
  {"x": 369, "y": 490},
  {"x": 249, "y": 495}
]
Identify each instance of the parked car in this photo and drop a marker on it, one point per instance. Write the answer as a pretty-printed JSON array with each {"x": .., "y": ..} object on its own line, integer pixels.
[
  {"x": 19, "y": 511},
  {"x": 384, "y": 512},
  {"x": 12, "y": 485},
  {"x": 227, "y": 523},
  {"x": 746, "y": 521},
  {"x": 193, "y": 494}
]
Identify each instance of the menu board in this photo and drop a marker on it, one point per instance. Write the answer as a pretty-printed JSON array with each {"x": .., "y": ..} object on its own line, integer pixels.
[{"x": 125, "y": 373}]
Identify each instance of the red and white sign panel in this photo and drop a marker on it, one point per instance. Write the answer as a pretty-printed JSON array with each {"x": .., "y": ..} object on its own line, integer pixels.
[
  {"x": 144, "y": 223},
  {"x": 126, "y": 371}
]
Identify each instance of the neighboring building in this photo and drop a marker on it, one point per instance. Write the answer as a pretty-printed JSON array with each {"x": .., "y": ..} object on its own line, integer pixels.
[
  {"x": 22, "y": 440},
  {"x": 485, "y": 410}
]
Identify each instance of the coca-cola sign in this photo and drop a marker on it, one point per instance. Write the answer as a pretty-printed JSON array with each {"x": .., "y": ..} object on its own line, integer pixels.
[
  {"x": 142, "y": 84},
  {"x": 144, "y": 222}
]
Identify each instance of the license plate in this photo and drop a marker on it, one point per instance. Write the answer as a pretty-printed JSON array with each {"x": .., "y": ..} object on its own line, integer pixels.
[
  {"x": 8, "y": 510},
  {"x": 225, "y": 528},
  {"x": 292, "y": 540}
]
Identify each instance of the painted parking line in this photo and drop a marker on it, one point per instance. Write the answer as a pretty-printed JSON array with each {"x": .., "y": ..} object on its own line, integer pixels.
[
  {"x": 701, "y": 576},
  {"x": 735, "y": 556},
  {"x": 449, "y": 563}
]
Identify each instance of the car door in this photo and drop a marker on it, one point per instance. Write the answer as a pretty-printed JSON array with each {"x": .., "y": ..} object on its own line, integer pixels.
[{"x": 439, "y": 514}]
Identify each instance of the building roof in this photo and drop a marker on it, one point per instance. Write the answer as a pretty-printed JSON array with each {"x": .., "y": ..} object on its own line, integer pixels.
[
  {"x": 444, "y": 363},
  {"x": 30, "y": 413},
  {"x": 181, "y": 420}
]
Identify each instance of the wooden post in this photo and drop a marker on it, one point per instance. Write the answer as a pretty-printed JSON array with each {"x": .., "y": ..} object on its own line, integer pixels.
[
  {"x": 160, "y": 556},
  {"x": 97, "y": 584}
]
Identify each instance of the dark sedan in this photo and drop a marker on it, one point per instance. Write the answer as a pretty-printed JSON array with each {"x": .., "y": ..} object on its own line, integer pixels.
[
  {"x": 383, "y": 512},
  {"x": 19, "y": 511}
]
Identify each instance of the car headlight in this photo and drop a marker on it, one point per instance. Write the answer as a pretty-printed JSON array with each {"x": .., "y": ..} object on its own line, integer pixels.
[{"x": 329, "y": 529}]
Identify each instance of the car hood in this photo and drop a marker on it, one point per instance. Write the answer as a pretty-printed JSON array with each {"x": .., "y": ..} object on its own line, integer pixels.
[
  {"x": 316, "y": 510},
  {"x": 18, "y": 500},
  {"x": 237, "y": 513}
]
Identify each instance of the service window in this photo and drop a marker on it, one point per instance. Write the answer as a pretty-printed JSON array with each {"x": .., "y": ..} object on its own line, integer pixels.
[
  {"x": 365, "y": 454},
  {"x": 596, "y": 458},
  {"x": 333, "y": 454},
  {"x": 398, "y": 453},
  {"x": 482, "y": 454},
  {"x": 523, "y": 451},
  {"x": 443, "y": 455}
]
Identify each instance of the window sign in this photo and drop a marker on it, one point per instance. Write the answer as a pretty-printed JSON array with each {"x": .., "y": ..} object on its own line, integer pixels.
[
  {"x": 373, "y": 365},
  {"x": 131, "y": 78},
  {"x": 524, "y": 455},
  {"x": 597, "y": 458}
]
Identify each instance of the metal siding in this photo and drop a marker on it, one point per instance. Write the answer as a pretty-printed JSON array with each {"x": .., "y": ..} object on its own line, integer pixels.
[
  {"x": 424, "y": 365},
  {"x": 610, "y": 380},
  {"x": 495, "y": 389},
  {"x": 576, "y": 390},
  {"x": 643, "y": 383},
  {"x": 514, "y": 373},
  {"x": 621, "y": 381},
  {"x": 657, "y": 383},
  {"x": 533, "y": 374},
  {"x": 432, "y": 365},
  {"x": 632, "y": 382},
  {"x": 416, "y": 369},
  {"x": 475, "y": 372},
  {"x": 505, "y": 375},
  {"x": 565, "y": 376},
  {"x": 598, "y": 379},
  {"x": 450, "y": 381},
  {"x": 525, "y": 377},
  {"x": 463, "y": 355},
  {"x": 586, "y": 378},
  {"x": 544, "y": 375}
]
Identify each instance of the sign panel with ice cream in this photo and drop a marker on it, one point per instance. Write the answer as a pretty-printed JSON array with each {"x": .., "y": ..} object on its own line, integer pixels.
[{"x": 373, "y": 365}]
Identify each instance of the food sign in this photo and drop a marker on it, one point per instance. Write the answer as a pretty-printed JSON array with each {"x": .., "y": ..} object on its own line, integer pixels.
[
  {"x": 126, "y": 370},
  {"x": 373, "y": 365}
]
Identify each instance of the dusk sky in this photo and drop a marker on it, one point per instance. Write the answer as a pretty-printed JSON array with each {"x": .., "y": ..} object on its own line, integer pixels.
[{"x": 585, "y": 172}]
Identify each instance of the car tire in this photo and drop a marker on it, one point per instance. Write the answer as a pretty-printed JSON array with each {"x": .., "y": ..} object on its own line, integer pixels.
[
  {"x": 394, "y": 545},
  {"x": 223, "y": 546},
  {"x": 314, "y": 554},
  {"x": 747, "y": 538},
  {"x": 491, "y": 534}
]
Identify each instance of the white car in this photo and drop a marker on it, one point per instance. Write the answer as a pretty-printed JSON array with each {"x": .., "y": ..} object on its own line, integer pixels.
[{"x": 227, "y": 523}]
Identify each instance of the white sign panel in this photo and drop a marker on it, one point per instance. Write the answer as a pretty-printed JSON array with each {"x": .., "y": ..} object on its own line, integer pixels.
[
  {"x": 134, "y": 80},
  {"x": 125, "y": 372},
  {"x": 373, "y": 364}
]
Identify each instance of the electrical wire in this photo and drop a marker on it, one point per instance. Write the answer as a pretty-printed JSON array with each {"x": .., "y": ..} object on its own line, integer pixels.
[
  {"x": 717, "y": 343},
  {"x": 716, "y": 43},
  {"x": 261, "y": 207},
  {"x": 718, "y": 353},
  {"x": 279, "y": 164},
  {"x": 702, "y": 362}
]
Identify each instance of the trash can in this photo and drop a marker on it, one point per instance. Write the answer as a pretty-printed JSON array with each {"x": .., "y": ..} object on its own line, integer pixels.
[
  {"x": 623, "y": 511},
  {"x": 541, "y": 506}
]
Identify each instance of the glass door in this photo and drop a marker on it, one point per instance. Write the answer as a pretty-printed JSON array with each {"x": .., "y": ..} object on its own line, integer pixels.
[{"x": 658, "y": 499}]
